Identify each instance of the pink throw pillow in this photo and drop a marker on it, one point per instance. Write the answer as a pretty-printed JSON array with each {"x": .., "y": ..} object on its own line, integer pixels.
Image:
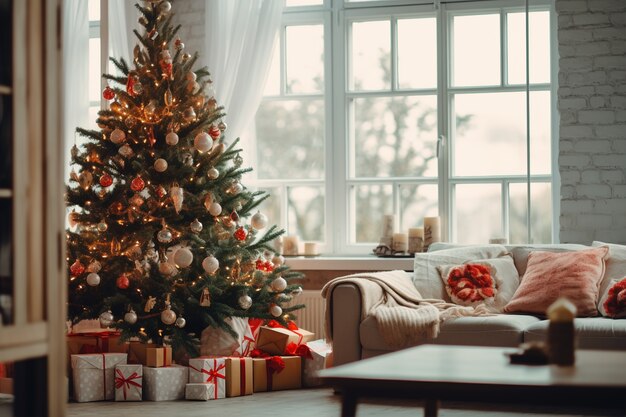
[
  {"x": 549, "y": 275},
  {"x": 614, "y": 301}
]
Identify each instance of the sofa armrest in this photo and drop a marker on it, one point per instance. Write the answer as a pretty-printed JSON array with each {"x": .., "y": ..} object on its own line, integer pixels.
[{"x": 347, "y": 311}]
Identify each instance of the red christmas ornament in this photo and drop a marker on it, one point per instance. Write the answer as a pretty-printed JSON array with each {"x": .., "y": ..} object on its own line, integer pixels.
[
  {"x": 122, "y": 282},
  {"x": 160, "y": 191},
  {"x": 268, "y": 266},
  {"x": 240, "y": 234},
  {"x": 234, "y": 216},
  {"x": 137, "y": 184},
  {"x": 106, "y": 180},
  {"x": 77, "y": 268},
  {"x": 215, "y": 132},
  {"x": 108, "y": 93},
  {"x": 259, "y": 264}
]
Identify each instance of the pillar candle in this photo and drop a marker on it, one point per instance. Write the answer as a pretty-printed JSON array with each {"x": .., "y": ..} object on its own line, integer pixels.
[
  {"x": 416, "y": 239},
  {"x": 400, "y": 242},
  {"x": 388, "y": 225},
  {"x": 310, "y": 249},
  {"x": 432, "y": 231},
  {"x": 290, "y": 245}
]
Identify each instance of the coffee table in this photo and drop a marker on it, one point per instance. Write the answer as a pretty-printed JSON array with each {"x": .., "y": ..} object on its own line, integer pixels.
[{"x": 484, "y": 374}]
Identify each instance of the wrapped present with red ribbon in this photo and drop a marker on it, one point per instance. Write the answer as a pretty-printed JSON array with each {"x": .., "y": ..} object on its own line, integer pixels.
[
  {"x": 128, "y": 382},
  {"x": 200, "y": 392},
  {"x": 166, "y": 383},
  {"x": 93, "y": 375},
  {"x": 274, "y": 337},
  {"x": 275, "y": 373},
  {"x": 319, "y": 357},
  {"x": 105, "y": 341},
  {"x": 219, "y": 342},
  {"x": 138, "y": 352},
  {"x": 239, "y": 377},
  {"x": 209, "y": 371},
  {"x": 157, "y": 357}
]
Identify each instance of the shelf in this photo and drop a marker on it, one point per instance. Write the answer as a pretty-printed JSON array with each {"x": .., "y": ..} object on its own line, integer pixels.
[
  {"x": 349, "y": 263},
  {"x": 6, "y": 193},
  {"x": 5, "y": 90}
]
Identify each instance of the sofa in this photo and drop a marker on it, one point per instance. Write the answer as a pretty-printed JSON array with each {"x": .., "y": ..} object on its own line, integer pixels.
[{"x": 356, "y": 332}]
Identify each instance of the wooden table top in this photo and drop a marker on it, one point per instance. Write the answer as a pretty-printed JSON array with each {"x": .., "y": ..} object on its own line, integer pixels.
[{"x": 437, "y": 364}]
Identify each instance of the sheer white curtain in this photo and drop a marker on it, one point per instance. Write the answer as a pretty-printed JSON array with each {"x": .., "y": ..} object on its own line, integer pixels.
[
  {"x": 75, "y": 71},
  {"x": 240, "y": 38},
  {"x": 122, "y": 14}
]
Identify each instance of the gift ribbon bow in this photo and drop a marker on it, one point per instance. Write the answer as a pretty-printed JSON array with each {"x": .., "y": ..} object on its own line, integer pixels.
[
  {"x": 125, "y": 383},
  {"x": 273, "y": 364},
  {"x": 291, "y": 326},
  {"x": 258, "y": 353},
  {"x": 302, "y": 350}
]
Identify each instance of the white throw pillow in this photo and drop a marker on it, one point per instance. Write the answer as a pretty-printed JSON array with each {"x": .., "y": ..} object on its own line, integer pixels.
[
  {"x": 615, "y": 270},
  {"x": 504, "y": 277},
  {"x": 426, "y": 276},
  {"x": 616, "y": 292}
]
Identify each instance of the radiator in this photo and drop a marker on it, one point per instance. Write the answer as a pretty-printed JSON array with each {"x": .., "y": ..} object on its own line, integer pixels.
[{"x": 311, "y": 317}]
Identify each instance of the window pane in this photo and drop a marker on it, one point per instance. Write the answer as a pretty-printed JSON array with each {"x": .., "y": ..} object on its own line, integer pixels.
[
  {"x": 477, "y": 212},
  {"x": 272, "y": 84},
  {"x": 6, "y": 261},
  {"x": 368, "y": 205},
  {"x": 539, "y": 47},
  {"x": 290, "y": 139},
  {"x": 417, "y": 202},
  {"x": 93, "y": 9},
  {"x": 541, "y": 213},
  {"x": 95, "y": 74},
  {"x": 6, "y": 141},
  {"x": 417, "y": 53},
  {"x": 395, "y": 137},
  {"x": 306, "y": 212},
  {"x": 305, "y": 59},
  {"x": 290, "y": 3},
  {"x": 271, "y": 206},
  {"x": 371, "y": 56},
  {"x": 540, "y": 133},
  {"x": 476, "y": 50}
]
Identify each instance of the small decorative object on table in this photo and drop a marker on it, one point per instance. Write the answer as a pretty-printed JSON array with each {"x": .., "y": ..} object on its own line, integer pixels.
[
  {"x": 561, "y": 333},
  {"x": 530, "y": 354}
]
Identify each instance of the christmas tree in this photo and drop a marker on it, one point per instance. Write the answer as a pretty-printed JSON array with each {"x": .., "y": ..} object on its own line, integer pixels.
[{"x": 159, "y": 245}]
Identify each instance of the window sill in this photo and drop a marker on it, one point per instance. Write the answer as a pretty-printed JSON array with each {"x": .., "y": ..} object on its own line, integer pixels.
[{"x": 349, "y": 263}]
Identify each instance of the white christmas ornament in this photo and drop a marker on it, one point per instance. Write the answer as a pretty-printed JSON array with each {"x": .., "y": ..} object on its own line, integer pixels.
[
  {"x": 166, "y": 269},
  {"x": 203, "y": 142},
  {"x": 106, "y": 319},
  {"x": 245, "y": 302},
  {"x": 118, "y": 136},
  {"x": 164, "y": 235},
  {"x": 160, "y": 165},
  {"x": 171, "y": 138},
  {"x": 183, "y": 257},
  {"x": 168, "y": 316},
  {"x": 215, "y": 209},
  {"x": 258, "y": 221},
  {"x": 279, "y": 284},
  {"x": 213, "y": 173},
  {"x": 93, "y": 279},
  {"x": 177, "y": 197},
  {"x": 180, "y": 322},
  {"x": 196, "y": 226},
  {"x": 125, "y": 150},
  {"x": 130, "y": 317},
  {"x": 210, "y": 264},
  {"x": 276, "y": 311},
  {"x": 278, "y": 260}
]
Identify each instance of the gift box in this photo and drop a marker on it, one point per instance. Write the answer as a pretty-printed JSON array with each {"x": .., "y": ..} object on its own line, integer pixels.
[
  {"x": 239, "y": 379},
  {"x": 137, "y": 352},
  {"x": 218, "y": 342},
  {"x": 6, "y": 385},
  {"x": 94, "y": 342},
  {"x": 128, "y": 382},
  {"x": 274, "y": 340},
  {"x": 165, "y": 384},
  {"x": 93, "y": 375},
  {"x": 199, "y": 391},
  {"x": 158, "y": 356},
  {"x": 209, "y": 371},
  {"x": 319, "y": 357},
  {"x": 276, "y": 373}
]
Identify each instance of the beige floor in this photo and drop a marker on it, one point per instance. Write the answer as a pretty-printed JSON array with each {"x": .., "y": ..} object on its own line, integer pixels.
[{"x": 311, "y": 403}]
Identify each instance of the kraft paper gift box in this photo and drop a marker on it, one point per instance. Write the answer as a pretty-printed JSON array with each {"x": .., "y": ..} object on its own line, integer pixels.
[
  {"x": 209, "y": 371},
  {"x": 321, "y": 353},
  {"x": 239, "y": 377},
  {"x": 265, "y": 379},
  {"x": 165, "y": 384},
  {"x": 157, "y": 357},
  {"x": 274, "y": 340},
  {"x": 94, "y": 342},
  {"x": 128, "y": 382},
  {"x": 198, "y": 391},
  {"x": 137, "y": 352},
  {"x": 93, "y": 375}
]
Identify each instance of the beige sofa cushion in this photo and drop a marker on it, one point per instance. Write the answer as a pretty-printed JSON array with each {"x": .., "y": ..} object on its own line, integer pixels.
[{"x": 591, "y": 333}]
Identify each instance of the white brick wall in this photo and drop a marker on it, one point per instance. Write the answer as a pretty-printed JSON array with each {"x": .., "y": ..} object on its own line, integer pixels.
[{"x": 592, "y": 107}]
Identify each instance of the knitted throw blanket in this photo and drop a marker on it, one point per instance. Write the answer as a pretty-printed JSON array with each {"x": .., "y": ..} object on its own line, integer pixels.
[{"x": 404, "y": 317}]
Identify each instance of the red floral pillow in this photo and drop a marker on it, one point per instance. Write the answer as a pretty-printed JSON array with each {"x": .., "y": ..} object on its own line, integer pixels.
[
  {"x": 615, "y": 299},
  {"x": 471, "y": 284}
]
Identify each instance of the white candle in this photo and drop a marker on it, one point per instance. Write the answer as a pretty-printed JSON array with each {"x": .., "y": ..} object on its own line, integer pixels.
[
  {"x": 290, "y": 245},
  {"x": 310, "y": 249},
  {"x": 388, "y": 225},
  {"x": 432, "y": 231},
  {"x": 400, "y": 242},
  {"x": 416, "y": 239},
  {"x": 278, "y": 245}
]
